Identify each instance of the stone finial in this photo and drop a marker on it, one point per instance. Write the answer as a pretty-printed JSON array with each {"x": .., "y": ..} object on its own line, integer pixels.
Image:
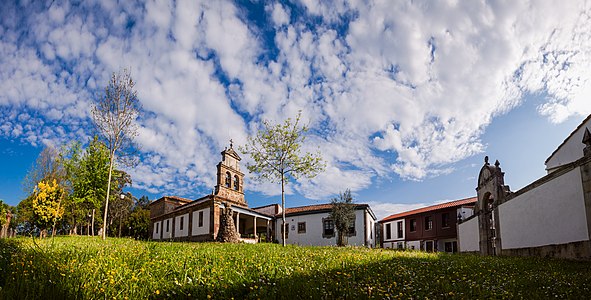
[
  {"x": 497, "y": 163},
  {"x": 486, "y": 161},
  {"x": 587, "y": 142},
  {"x": 231, "y": 144}
]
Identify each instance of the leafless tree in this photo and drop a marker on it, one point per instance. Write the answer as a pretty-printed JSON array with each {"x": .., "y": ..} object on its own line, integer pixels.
[
  {"x": 114, "y": 115},
  {"x": 47, "y": 167}
]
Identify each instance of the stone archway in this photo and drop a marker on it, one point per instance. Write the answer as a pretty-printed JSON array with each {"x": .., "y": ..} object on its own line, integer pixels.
[{"x": 491, "y": 192}]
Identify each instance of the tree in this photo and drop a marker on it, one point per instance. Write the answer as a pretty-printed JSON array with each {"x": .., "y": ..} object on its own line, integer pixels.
[
  {"x": 343, "y": 216},
  {"x": 87, "y": 174},
  {"x": 276, "y": 154},
  {"x": 120, "y": 209},
  {"x": 47, "y": 204},
  {"x": 47, "y": 167},
  {"x": 114, "y": 115}
]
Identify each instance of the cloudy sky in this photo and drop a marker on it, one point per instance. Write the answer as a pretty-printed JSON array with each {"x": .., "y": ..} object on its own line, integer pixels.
[{"x": 404, "y": 98}]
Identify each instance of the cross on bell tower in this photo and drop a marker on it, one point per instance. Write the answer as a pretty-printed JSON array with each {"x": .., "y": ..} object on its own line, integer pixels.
[{"x": 230, "y": 180}]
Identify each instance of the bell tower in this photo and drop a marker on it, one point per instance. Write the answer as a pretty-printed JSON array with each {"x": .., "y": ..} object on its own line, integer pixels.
[{"x": 230, "y": 181}]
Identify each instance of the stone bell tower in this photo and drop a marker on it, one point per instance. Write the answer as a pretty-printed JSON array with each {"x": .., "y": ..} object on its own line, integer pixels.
[{"x": 230, "y": 181}]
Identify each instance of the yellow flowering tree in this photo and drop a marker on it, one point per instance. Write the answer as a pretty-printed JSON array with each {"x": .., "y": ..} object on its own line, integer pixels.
[{"x": 47, "y": 205}]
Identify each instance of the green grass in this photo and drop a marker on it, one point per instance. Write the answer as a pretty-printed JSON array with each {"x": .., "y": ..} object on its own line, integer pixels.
[{"x": 88, "y": 268}]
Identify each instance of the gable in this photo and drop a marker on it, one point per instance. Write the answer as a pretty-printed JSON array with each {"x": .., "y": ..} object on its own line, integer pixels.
[{"x": 571, "y": 149}]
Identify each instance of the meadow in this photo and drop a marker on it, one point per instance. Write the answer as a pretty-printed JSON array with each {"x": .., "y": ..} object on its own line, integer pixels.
[{"x": 89, "y": 268}]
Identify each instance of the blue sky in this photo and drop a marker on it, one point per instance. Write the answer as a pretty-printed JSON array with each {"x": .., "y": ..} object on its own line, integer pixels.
[{"x": 403, "y": 99}]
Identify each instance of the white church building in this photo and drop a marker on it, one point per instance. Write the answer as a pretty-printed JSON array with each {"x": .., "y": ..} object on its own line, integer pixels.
[{"x": 549, "y": 217}]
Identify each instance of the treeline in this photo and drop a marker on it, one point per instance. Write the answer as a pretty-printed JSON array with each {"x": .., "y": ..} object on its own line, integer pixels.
[{"x": 67, "y": 191}]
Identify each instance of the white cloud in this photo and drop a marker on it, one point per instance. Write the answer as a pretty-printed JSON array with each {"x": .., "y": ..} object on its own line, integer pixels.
[{"x": 408, "y": 88}]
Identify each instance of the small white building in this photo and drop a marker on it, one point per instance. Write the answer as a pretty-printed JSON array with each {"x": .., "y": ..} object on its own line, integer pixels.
[
  {"x": 312, "y": 226},
  {"x": 549, "y": 217}
]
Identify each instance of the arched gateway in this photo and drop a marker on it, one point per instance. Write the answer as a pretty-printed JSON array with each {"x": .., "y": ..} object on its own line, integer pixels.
[{"x": 491, "y": 192}]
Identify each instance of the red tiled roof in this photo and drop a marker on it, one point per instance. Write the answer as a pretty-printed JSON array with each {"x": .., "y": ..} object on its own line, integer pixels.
[
  {"x": 178, "y": 198},
  {"x": 461, "y": 202},
  {"x": 314, "y": 208}
]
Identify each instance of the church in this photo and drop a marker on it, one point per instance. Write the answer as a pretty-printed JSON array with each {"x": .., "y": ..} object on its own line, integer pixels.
[{"x": 183, "y": 219}]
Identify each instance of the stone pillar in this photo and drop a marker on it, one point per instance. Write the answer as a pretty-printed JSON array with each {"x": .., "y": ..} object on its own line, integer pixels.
[
  {"x": 255, "y": 227},
  {"x": 238, "y": 223}
]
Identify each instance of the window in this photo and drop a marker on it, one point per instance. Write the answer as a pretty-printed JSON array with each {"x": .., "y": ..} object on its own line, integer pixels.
[
  {"x": 302, "y": 227},
  {"x": 157, "y": 225},
  {"x": 388, "y": 231},
  {"x": 429, "y": 246},
  {"x": 181, "y": 225},
  {"x": 351, "y": 229},
  {"x": 328, "y": 228},
  {"x": 201, "y": 219},
  {"x": 167, "y": 225},
  {"x": 286, "y": 227},
  {"x": 445, "y": 220},
  {"x": 428, "y": 223},
  {"x": 413, "y": 225},
  {"x": 399, "y": 229},
  {"x": 228, "y": 179},
  {"x": 236, "y": 182},
  {"x": 451, "y": 247}
]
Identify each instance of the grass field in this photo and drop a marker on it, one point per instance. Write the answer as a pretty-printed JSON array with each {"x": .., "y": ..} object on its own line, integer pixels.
[{"x": 88, "y": 268}]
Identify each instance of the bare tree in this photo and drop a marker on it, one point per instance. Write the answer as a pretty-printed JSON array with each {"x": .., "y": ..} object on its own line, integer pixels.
[
  {"x": 276, "y": 154},
  {"x": 47, "y": 167},
  {"x": 114, "y": 115}
]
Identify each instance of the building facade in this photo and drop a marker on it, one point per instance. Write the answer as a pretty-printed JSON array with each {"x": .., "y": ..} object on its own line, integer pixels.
[
  {"x": 432, "y": 228},
  {"x": 180, "y": 219},
  {"x": 312, "y": 226},
  {"x": 549, "y": 217}
]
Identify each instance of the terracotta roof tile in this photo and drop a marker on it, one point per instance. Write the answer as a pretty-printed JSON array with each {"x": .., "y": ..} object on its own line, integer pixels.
[
  {"x": 178, "y": 198},
  {"x": 314, "y": 208},
  {"x": 467, "y": 201}
]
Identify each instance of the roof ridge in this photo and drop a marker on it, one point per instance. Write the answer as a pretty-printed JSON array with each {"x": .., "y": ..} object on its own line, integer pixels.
[{"x": 429, "y": 208}]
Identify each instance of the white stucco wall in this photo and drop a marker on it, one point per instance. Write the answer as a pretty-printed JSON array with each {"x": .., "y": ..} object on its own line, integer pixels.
[
  {"x": 394, "y": 230},
  {"x": 178, "y": 232},
  {"x": 166, "y": 234},
  {"x": 469, "y": 236},
  {"x": 369, "y": 229},
  {"x": 553, "y": 213},
  {"x": 157, "y": 230},
  {"x": 571, "y": 150},
  {"x": 196, "y": 230},
  {"x": 414, "y": 245},
  {"x": 314, "y": 228}
]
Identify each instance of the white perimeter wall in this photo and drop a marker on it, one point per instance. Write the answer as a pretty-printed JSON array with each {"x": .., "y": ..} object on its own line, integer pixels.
[
  {"x": 571, "y": 150},
  {"x": 177, "y": 225},
  {"x": 156, "y": 233},
  {"x": 469, "y": 236},
  {"x": 553, "y": 213},
  {"x": 314, "y": 228},
  {"x": 196, "y": 230}
]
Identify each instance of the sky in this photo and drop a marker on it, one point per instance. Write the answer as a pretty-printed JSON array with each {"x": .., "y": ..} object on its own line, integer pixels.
[{"x": 403, "y": 98}]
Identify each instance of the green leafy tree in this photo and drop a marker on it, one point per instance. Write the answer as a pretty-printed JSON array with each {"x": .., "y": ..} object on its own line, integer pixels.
[
  {"x": 120, "y": 209},
  {"x": 87, "y": 173},
  {"x": 276, "y": 152},
  {"x": 114, "y": 115},
  {"x": 343, "y": 216},
  {"x": 47, "y": 204},
  {"x": 138, "y": 223},
  {"x": 25, "y": 218}
]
